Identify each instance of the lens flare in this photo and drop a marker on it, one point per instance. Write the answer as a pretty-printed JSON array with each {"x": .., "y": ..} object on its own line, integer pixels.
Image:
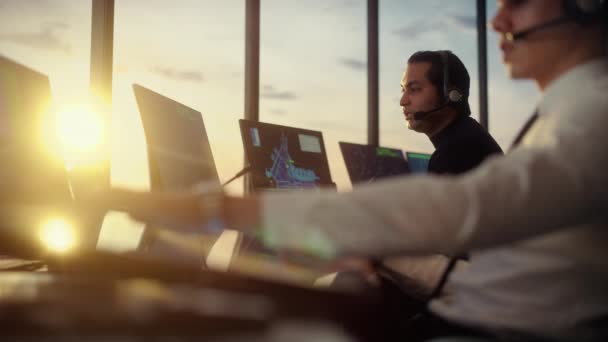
[
  {"x": 81, "y": 135},
  {"x": 58, "y": 235}
]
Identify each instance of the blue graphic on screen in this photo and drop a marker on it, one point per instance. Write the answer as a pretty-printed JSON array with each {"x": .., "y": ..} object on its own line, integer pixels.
[
  {"x": 418, "y": 162},
  {"x": 285, "y": 174}
]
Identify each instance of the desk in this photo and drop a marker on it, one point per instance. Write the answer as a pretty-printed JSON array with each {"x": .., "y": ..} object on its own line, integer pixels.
[{"x": 97, "y": 293}]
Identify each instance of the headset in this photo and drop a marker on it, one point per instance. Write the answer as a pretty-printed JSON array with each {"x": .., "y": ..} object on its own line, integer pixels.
[
  {"x": 579, "y": 11},
  {"x": 582, "y": 11},
  {"x": 451, "y": 94}
]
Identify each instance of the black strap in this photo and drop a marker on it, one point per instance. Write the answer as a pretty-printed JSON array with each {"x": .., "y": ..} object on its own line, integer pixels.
[
  {"x": 524, "y": 130},
  {"x": 444, "y": 278},
  {"x": 453, "y": 260}
]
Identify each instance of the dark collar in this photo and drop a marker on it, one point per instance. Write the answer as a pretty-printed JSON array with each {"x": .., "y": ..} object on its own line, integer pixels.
[{"x": 443, "y": 137}]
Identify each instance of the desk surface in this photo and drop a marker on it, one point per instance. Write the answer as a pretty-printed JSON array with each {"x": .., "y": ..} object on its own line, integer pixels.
[{"x": 58, "y": 304}]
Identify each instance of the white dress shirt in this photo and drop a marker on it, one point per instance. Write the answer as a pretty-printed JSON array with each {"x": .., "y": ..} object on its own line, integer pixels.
[{"x": 535, "y": 219}]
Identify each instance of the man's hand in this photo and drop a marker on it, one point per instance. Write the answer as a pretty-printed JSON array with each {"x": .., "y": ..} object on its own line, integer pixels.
[{"x": 181, "y": 208}]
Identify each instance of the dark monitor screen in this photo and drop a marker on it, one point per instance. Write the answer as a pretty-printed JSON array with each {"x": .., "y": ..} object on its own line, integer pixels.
[
  {"x": 283, "y": 157},
  {"x": 179, "y": 154},
  {"x": 418, "y": 162},
  {"x": 365, "y": 163},
  {"x": 179, "y": 157},
  {"x": 32, "y": 165}
]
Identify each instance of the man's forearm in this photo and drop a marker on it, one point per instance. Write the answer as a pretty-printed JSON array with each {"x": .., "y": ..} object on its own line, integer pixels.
[{"x": 242, "y": 213}]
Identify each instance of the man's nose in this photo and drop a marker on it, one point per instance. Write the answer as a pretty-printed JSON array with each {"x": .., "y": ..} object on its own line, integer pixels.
[
  {"x": 500, "y": 23},
  {"x": 404, "y": 100}
]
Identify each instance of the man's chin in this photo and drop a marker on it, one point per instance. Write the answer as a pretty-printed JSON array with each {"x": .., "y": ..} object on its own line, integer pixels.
[
  {"x": 413, "y": 125},
  {"x": 515, "y": 72}
]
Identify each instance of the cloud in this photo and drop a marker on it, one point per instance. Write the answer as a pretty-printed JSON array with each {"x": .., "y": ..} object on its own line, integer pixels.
[
  {"x": 236, "y": 74},
  {"x": 341, "y": 5},
  {"x": 46, "y": 38},
  {"x": 44, "y": 7},
  {"x": 354, "y": 64},
  {"x": 466, "y": 22},
  {"x": 55, "y": 25},
  {"x": 121, "y": 69},
  {"x": 416, "y": 29},
  {"x": 332, "y": 125},
  {"x": 178, "y": 75},
  {"x": 442, "y": 24},
  {"x": 278, "y": 112},
  {"x": 269, "y": 92}
]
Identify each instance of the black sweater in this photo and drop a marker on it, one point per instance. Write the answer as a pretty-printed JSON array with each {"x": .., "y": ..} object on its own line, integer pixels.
[{"x": 461, "y": 146}]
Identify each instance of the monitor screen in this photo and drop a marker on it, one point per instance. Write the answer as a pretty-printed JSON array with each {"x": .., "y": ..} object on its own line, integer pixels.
[
  {"x": 418, "y": 162},
  {"x": 32, "y": 165},
  {"x": 179, "y": 154},
  {"x": 283, "y": 157},
  {"x": 365, "y": 163},
  {"x": 179, "y": 157}
]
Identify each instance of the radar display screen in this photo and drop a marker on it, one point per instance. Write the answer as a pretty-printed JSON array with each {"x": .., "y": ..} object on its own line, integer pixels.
[
  {"x": 419, "y": 162},
  {"x": 283, "y": 157},
  {"x": 366, "y": 163}
]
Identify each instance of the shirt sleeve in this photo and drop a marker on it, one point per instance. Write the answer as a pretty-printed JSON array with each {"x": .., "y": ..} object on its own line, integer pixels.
[{"x": 555, "y": 180}]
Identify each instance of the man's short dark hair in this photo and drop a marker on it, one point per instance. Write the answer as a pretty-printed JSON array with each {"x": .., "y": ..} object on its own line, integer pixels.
[{"x": 458, "y": 75}]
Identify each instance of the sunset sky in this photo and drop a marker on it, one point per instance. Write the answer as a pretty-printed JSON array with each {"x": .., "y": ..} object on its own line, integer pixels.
[{"x": 312, "y": 72}]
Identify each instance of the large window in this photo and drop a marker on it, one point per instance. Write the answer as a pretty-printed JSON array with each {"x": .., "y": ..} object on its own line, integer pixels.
[
  {"x": 52, "y": 37},
  {"x": 313, "y": 71},
  {"x": 410, "y": 26},
  {"x": 191, "y": 51}
]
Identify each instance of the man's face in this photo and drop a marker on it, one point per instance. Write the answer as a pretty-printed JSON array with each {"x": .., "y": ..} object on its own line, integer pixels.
[
  {"x": 532, "y": 56},
  {"x": 419, "y": 95}
]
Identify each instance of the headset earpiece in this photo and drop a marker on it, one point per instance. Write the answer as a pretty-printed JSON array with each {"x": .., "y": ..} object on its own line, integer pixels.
[
  {"x": 452, "y": 94},
  {"x": 582, "y": 11}
]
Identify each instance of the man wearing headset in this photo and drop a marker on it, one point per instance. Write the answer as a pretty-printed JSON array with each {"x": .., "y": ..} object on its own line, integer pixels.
[
  {"x": 535, "y": 219},
  {"x": 435, "y": 93}
]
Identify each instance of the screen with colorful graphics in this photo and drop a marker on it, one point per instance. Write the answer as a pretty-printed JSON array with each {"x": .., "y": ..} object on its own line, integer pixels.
[
  {"x": 366, "y": 163},
  {"x": 418, "y": 162},
  {"x": 283, "y": 157}
]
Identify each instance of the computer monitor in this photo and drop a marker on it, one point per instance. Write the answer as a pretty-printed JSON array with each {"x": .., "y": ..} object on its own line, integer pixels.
[
  {"x": 418, "y": 162},
  {"x": 179, "y": 154},
  {"x": 34, "y": 181},
  {"x": 179, "y": 157},
  {"x": 366, "y": 163},
  {"x": 285, "y": 158},
  {"x": 32, "y": 165}
]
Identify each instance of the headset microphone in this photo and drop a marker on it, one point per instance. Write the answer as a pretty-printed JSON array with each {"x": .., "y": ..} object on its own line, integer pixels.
[
  {"x": 421, "y": 115},
  {"x": 578, "y": 11},
  {"x": 515, "y": 36}
]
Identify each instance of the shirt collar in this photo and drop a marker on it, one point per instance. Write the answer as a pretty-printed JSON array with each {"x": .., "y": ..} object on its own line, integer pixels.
[
  {"x": 570, "y": 83},
  {"x": 443, "y": 136}
]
